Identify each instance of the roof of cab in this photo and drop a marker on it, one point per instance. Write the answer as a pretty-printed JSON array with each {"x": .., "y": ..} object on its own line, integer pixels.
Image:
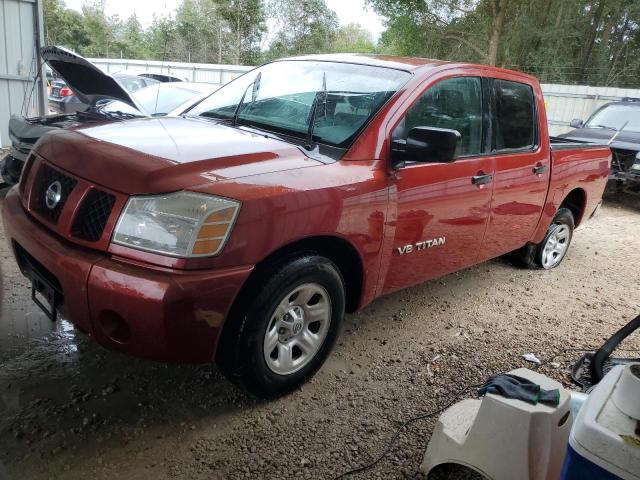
[
  {"x": 408, "y": 64},
  {"x": 388, "y": 61}
]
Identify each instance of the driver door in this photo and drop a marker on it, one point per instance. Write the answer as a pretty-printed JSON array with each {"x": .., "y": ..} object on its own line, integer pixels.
[{"x": 442, "y": 209}]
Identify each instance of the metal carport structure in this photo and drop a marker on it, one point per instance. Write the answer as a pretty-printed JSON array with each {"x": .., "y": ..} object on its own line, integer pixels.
[{"x": 21, "y": 36}]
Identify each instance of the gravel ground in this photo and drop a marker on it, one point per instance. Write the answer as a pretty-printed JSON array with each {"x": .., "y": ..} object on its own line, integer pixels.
[{"x": 69, "y": 409}]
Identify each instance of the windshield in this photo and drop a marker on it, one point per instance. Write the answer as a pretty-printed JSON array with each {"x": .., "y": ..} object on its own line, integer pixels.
[
  {"x": 157, "y": 100},
  {"x": 283, "y": 98},
  {"x": 615, "y": 116}
]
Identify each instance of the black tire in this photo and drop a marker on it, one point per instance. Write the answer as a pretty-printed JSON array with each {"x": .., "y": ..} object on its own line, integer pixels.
[
  {"x": 241, "y": 350},
  {"x": 563, "y": 218},
  {"x": 531, "y": 255}
]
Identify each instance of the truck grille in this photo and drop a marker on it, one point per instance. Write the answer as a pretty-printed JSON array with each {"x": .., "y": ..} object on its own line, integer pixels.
[
  {"x": 83, "y": 212},
  {"x": 93, "y": 215},
  {"x": 47, "y": 177}
]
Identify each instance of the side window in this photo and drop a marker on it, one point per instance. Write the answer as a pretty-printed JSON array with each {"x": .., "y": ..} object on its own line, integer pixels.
[
  {"x": 456, "y": 104},
  {"x": 514, "y": 121}
]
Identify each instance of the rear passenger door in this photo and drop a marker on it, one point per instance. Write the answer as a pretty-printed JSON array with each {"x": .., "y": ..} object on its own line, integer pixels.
[
  {"x": 522, "y": 165},
  {"x": 441, "y": 209}
]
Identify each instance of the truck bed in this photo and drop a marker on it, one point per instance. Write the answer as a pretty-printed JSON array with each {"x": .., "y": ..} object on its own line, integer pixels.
[{"x": 558, "y": 143}]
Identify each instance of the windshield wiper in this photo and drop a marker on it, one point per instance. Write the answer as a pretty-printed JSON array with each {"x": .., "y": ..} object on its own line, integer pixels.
[
  {"x": 605, "y": 127},
  {"x": 254, "y": 94},
  {"x": 120, "y": 114},
  {"x": 314, "y": 110},
  {"x": 115, "y": 114}
]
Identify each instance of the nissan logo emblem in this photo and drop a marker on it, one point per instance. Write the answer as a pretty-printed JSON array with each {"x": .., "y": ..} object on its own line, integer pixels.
[{"x": 53, "y": 195}]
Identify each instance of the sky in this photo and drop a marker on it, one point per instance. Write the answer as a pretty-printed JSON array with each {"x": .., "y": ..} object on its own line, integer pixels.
[{"x": 348, "y": 11}]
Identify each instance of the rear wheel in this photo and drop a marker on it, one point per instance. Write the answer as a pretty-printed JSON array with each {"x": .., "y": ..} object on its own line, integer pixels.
[
  {"x": 552, "y": 250},
  {"x": 285, "y": 330}
]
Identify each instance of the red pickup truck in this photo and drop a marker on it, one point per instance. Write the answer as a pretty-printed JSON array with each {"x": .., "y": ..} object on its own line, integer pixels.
[{"x": 242, "y": 231}]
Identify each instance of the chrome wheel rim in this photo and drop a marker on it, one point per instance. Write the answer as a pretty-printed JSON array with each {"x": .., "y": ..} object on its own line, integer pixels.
[
  {"x": 297, "y": 329},
  {"x": 556, "y": 246}
]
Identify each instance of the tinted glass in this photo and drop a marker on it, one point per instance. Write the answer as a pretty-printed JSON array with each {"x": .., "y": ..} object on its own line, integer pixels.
[
  {"x": 455, "y": 104},
  {"x": 615, "y": 116},
  {"x": 514, "y": 115},
  {"x": 283, "y": 99},
  {"x": 132, "y": 84}
]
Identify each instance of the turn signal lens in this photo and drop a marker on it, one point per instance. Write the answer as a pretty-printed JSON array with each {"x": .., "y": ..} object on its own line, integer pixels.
[
  {"x": 182, "y": 224},
  {"x": 214, "y": 231}
]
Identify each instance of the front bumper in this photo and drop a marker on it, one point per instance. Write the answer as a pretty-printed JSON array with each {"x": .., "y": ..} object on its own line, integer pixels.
[
  {"x": 626, "y": 177},
  {"x": 149, "y": 312}
]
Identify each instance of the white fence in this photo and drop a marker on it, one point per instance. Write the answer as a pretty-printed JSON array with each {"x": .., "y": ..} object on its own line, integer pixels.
[
  {"x": 564, "y": 102},
  {"x": 191, "y": 72}
]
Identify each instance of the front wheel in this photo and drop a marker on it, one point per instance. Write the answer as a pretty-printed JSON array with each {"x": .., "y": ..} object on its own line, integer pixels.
[
  {"x": 286, "y": 329},
  {"x": 552, "y": 250}
]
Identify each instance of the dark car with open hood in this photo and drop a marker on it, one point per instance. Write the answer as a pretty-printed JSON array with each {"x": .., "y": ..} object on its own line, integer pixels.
[
  {"x": 618, "y": 125},
  {"x": 106, "y": 99}
]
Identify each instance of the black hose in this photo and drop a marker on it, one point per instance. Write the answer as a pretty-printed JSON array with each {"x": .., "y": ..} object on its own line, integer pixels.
[{"x": 601, "y": 356}]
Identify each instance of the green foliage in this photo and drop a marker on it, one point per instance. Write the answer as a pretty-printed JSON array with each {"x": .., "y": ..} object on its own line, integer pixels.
[
  {"x": 302, "y": 27},
  {"x": 593, "y": 42},
  {"x": 352, "y": 38},
  {"x": 206, "y": 31},
  {"x": 63, "y": 26},
  {"x": 579, "y": 41}
]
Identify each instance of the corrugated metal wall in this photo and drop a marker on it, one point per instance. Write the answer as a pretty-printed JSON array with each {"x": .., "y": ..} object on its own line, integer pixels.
[
  {"x": 566, "y": 102},
  {"x": 20, "y": 34}
]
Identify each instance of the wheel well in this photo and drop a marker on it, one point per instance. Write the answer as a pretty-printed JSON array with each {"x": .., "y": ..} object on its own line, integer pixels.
[
  {"x": 576, "y": 202},
  {"x": 339, "y": 251}
]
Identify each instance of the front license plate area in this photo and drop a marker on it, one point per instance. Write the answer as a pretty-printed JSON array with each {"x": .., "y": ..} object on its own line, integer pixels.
[
  {"x": 45, "y": 296},
  {"x": 46, "y": 291}
]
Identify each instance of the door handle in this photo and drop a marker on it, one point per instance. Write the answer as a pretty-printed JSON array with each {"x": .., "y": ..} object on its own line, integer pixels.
[
  {"x": 481, "y": 179},
  {"x": 539, "y": 169}
]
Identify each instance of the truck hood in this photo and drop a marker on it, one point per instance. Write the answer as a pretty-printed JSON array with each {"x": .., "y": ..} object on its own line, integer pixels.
[
  {"x": 156, "y": 155},
  {"x": 627, "y": 140},
  {"x": 88, "y": 82}
]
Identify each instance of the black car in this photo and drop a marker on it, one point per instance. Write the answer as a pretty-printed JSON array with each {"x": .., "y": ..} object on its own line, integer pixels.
[
  {"x": 107, "y": 100},
  {"x": 618, "y": 123}
]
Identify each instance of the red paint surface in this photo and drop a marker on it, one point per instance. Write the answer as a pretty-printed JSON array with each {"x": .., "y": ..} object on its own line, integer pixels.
[{"x": 286, "y": 197}]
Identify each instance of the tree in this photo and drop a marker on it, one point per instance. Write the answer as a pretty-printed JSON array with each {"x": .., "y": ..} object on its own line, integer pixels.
[
  {"x": 159, "y": 36},
  {"x": 63, "y": 26},
  {"x": 302, "y": 27},
  {"x": 578, "y": 41},
  {"x": 130, "y": 39},
  {"x": 222, "y": 31},
  {"x": 474, "y": 25},
  {"x": 353, "y": 38}
]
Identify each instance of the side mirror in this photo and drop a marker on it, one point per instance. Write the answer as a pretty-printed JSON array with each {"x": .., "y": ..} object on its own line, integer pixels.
[
  {"x": 576, "y": 123},
  {"x": 429, "y": 144}
]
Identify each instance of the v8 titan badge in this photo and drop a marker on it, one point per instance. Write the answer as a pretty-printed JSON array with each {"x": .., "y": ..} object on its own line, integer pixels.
[{"x": 412, "y": 247}]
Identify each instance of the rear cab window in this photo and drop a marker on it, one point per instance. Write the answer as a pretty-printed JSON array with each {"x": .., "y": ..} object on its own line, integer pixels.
[{"x": 514, "y": 125}]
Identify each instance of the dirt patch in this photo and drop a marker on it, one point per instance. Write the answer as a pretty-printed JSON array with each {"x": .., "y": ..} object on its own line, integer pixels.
[{"x": 69, "y": 409}]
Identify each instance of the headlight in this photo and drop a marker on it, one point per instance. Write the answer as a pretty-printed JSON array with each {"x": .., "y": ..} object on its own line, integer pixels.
[{"x": 182, "y": 224}]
